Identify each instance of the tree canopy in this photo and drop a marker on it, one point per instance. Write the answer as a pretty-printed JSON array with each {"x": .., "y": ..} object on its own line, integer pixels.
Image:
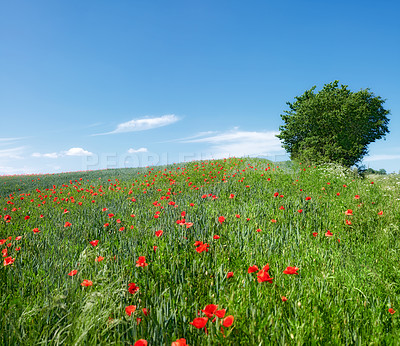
[{"x": 333, "y": 125}]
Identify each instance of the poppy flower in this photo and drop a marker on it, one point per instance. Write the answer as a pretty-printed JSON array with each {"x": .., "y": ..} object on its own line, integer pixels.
[
  {"x": 348, "y": 212},
  {"x": 252, "y": 269},
  {"x": 216, "y": 236},
  {"x": 356, "y": 197},
  {"x": 300, "y": 210},
  {"x": 328, "y": 233},
  {"x": 258, "y": 230},
  {"x": 104, "y": 209},
  {"x": 231, "y": 196},
  {"x": 229, "y": 275},
  {"x": 18, "y": 238},
  {"x": 191, "y": 204},
  {"x": 99, "y": 259},
  {"x": 141, "y": 262},
  {"x": 209, "y": 310},
  {"x": 72, "y": 273},
  {"x": 68, "y": 224},
  {"x": 155, "y": 248},
  {"x": 221, "y": 219},
  {"x": 27, "y": 217},
  {"x": 179, "y": 342},
  {"x": 87, "y": 283},
  {"x": 8, "y": 260},
  {"x": 392, "y": 311},
  {"x": 199, "y": 322},
  {"x": 348, "y": 222},
  {"x": 228, "y": 321},
  {"x": 202, "y": 247},
  {"x": 315, "y": 234},
  {"x": 263, "y": 276},
  {"x": 282, "y": 207},
  {"x": 380, "y": 212},
  {"x": 133, "y": 288},
  {"x": 110, "y": 215},
  {"x": 284, "y": 299},
  {"x": 94, "y": 242},
  {"x": 130, "y": 309},
  {"x": 145, "y": 311},
  {"x": 291, "y": 271},
  {"x": 273, "y": 220},
  {"x": 36, "y": 230},
  {"x": 220, "y": 313},
  {"x": 159, "y": 233},
  {"x": 308, "y": 198}
]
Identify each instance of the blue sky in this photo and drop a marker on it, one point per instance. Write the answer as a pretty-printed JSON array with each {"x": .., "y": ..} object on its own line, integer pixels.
[{"x": 105, "y": 84}]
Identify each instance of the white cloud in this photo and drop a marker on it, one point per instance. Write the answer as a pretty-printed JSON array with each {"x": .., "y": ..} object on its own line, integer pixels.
[
  {"x": 241, "y": 143},
  {"x": 135, "y": 151},
  {"x": 69, "y": 152},
  {"x": 382, "y": 157},
  {"x": 12, "y": 153},
  {"x": 144, "y": 124},
  {"x": 48, "y": 155},
  {"x": 78, "y": 152}
]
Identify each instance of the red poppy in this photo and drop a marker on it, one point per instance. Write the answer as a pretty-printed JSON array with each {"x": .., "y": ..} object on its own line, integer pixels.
[
  {"x": 263, "y": 276},
  {"x": 300, "y": 210},
  {"x": 202, "y": 247},
  {"x": 356, "y": 197},
  {"x": 258, "y": 230},
  {"x": 130, "y": 309},
  {"x": 291, "y": 271},
  {"x": 315, "y": 234},
  {"x": 133, "y": 288},
  {"x": 145, "y": 311},
  {"x": 27, "y": 217},
  {"x": 110, "y": 215},
  {"x": 179, "y": 342},
  {"x": 282, "y": 207},
  {"x": 220, "y": 313},
  {"x": 141, "y": 262},
  {"x": 99, "y": 259},
  {"x": 348, "y": 222},
  {"x": 273, "y": 220},
  {"x": 68, "y": 224},
  {"x": 216, "y": 236},
  {"x": 209, "y": 310},
  {"x": 238, "y": 216},
  {"x": 104, "y": 209},
  {"x": 199, "y": 322},
  {"x": 18, "y": 238},
  {"x": 392, "y": 311},
  {"x": 72, "y": 273},
  {"x": 229, "y": 275},
  {"x": 328, "y": 233},
  {"x": 94, "y": 242},
  {"x": 87, "y": 283},
  {"x": 36, "y": 230},
  {"x": 380, "y": 212},
  {"x": 284, "y": 299},
  {"x": 308, "y": 198},
  {"x": 252, "y": 269},
  {"x": 159, "y": 233},
  {"x": 231, "y": 196},
  {"x": 221, "y": 219},
  {"x": 228, "y": 321},
  {"x": 348, "y": 212},
  {"x": 8, "y": 260}
]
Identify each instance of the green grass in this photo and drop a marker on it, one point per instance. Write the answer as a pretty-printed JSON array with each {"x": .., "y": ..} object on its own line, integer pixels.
[{"x": 346, "y": 282}]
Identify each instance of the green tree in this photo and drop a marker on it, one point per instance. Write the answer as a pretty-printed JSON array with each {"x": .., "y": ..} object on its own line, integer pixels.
[{"x": 333, "y": 125}]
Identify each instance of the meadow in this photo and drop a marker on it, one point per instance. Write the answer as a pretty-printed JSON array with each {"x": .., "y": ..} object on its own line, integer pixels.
[{"x": 225, "y": 252}]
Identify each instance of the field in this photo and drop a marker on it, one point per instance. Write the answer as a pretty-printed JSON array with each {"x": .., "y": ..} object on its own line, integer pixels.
[{"x": 225, "y": 252}]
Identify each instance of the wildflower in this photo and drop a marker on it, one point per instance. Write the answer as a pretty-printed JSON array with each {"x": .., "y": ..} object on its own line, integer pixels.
[
  {"x": 356, "y": 197},
  {"x": 380, "y": 212},
  {"x": 282, "y": 207},
  {"x": 141, "y": 262},
  {"x": 159, "y": 233},
  {"x": 209, "y": 310},
  {"x": 216, "y": 236},
  {"x": 258, "y": 230},
  {"x": 18, "y": 238},
  {"x": 199, "y": 322},
  {"x": 36, "y": 230},
  {"x": 68, "y": 224},
  {"x": 73, "y": 272},
  {"x": 221, "y": 219},
  {"x": 300, "y": 210},
  {"x": 130, "y": 309},
  {"x": 348, "y": 212},
  {"x": 308, "y": 198},
  {"x": 391, "y": 311},
  {"x": 8, "y": 260},
  {"x": 263, "y": 276},
  {"x": 315, "y": 234},
  {"x": 252, "y": 269},
  {"x": 291, "y": 271},
  {"x": 94, "y": 242},
  {"x": 284, "y": 299},
  {"x": 133, "y": 288},
  {"x": 27, "y": 217},
  {"x": 348, "y": 222},
  {"x": 238, "y": 216},
  {"x": 99, "y": 259},
  {"x": 228, "y": 321},
  {"x": 202, "y": 247},
  {"x": 229, "y": 275},
  {"x": 328, "y": 233},
  {"x": 220, "y": 313},
  {"x": 273, "y": 220},
  {"x": 231, "y": 196},
  {"x": 179, "y": 342},
  {"x": 87, "y": 283}
]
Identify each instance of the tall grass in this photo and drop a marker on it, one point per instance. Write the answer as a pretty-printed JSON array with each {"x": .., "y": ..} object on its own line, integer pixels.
[{"x": 345, "y": 286}]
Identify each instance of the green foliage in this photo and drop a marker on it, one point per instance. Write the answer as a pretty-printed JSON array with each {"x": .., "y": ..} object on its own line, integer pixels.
[{"x": 333, "y": 125}]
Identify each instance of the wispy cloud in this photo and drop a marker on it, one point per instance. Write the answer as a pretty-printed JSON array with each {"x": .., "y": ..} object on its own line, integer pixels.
[
  {"x": 240, "y": 143},
  {"x": 135, "y": 151},
  {"x": 382, "y": 157},
  {"x": 69, "y": 152},
  {"x": 10, "y": 139},
  {"x": 12, "y": 153},
  {"x": 143, "y": 124}
]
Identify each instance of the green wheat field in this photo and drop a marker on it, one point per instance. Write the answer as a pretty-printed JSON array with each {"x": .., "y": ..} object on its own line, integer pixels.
[{"x": 237, "y": 251}]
